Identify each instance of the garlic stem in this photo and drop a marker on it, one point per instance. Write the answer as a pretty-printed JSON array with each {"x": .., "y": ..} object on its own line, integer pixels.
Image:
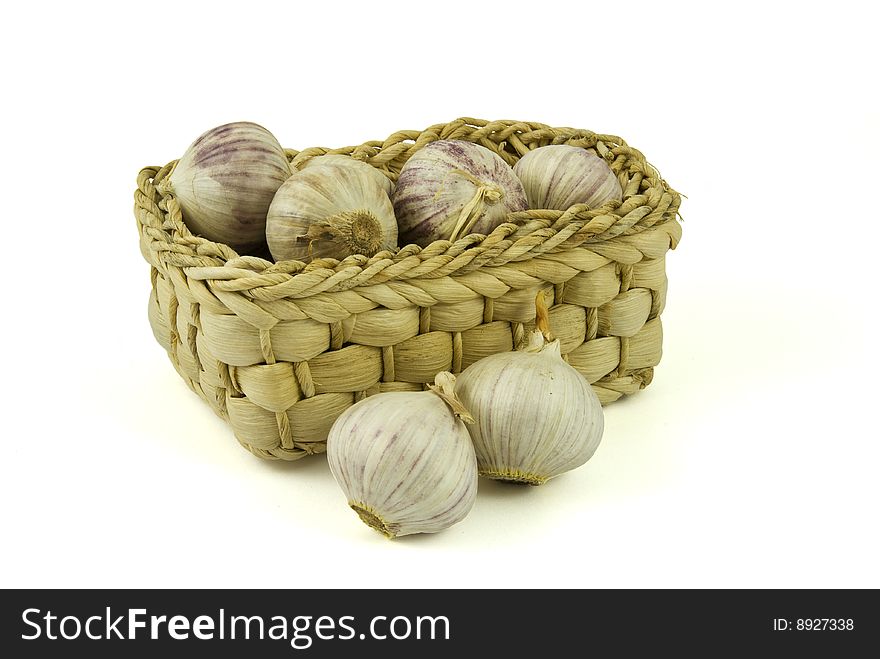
[
  {"x": 542, "y": 316},
  {"x": 444, "y": 387},
  {"x": 487, "y": 194}
]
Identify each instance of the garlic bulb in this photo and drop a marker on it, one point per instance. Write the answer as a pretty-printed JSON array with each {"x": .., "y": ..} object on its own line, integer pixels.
[
  {"x": 451, "y": 188},
  {"x": 559, "y": 176},
  {"x": 330, "y": 211},
  {"x": 225, "y": 182},
  {"x": 405, "y": 460},
  {"x": 348, "y": 161},
  {"x": 535, "y": 416}
]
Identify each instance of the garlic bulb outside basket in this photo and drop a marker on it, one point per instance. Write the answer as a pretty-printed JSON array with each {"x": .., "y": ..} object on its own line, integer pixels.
[
  {"x": 405, "y": 460},
  {"x": 347, "y": 161},
  {"x": 535, "y": 416},
  {"x": 559, "y": 176},
  {"x": 330, "y": 211},
  {"x": 451, "y": 188},
  {"x": 225, "y": 182}
]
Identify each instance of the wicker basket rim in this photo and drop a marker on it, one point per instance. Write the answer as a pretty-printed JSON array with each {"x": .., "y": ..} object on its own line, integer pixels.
[{"x": 526, "y": 235}]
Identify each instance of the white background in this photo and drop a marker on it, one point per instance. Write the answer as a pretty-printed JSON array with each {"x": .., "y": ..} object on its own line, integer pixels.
[{"x": 752, "y": 460}]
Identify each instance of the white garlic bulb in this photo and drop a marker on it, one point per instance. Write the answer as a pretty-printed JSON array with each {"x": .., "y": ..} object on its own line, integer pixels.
[
  {"x": 405, "y": 460},
  {"x": 559, "y": 176},
  {"x": 225, "y": 182},
  {"x": 330, "y": 211},
  {"x": 535, "y": 416},
  {"x": 348, "y": 161},
  {"x": 451, "y": 188}
]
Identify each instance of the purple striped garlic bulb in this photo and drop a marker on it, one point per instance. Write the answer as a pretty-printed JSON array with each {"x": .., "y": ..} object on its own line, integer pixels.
[
  {"x": 451, "y": 188},
  {"x": 405, "y": 460},
  {"x": 225, "y": 182},
  {"x": 559, "y": 176},
  {"x": 536, "y": 417},
  {"x": 331, "y": 211}
]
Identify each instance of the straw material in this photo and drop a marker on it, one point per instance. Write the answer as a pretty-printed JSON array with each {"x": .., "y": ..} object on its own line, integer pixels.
[{"x": 281, "y": 349}]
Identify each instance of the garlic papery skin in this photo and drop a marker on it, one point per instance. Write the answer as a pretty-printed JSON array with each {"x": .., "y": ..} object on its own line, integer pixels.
[
  {"x": 405, "y": 460},
  {"x": 347, "y": 161},
  {"x": 535, "y": 416},
  {"x": 451, "y": 188},
  {"x": 558, "y": 176},
  {"x": 225, "y": 183},
  {"x": 330, "y": 211}
]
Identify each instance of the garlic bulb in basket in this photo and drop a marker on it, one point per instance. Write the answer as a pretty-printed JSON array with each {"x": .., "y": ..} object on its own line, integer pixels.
[
  {"x": 451, "y": 188},
  {"x": 405, "y": 460},
  {"x": 225, "y": 182},
  {"x": 559, "y": 176},
  {"x": 348, "y": 161},
  {"x": 535, "y": 416},
  {"x": 330, "y": 211}
]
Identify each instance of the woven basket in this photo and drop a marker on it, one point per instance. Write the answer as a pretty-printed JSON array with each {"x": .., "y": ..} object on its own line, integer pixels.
[{"x": 281, "y": 349}]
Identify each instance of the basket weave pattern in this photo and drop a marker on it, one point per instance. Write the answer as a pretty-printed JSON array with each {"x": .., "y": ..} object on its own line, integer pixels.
[{"x": 281, "y": 349}]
